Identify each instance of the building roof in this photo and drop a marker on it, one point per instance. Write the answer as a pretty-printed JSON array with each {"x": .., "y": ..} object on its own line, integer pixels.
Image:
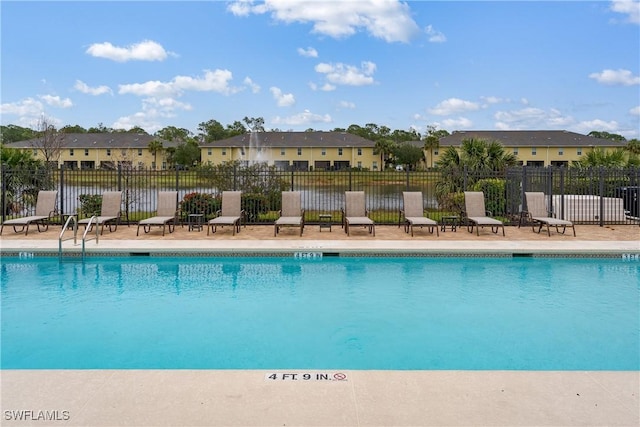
[
  {"x": 99, "y": 140},
  {"x": 529, "y": 138},
  {"x": 292, "y": 139}
]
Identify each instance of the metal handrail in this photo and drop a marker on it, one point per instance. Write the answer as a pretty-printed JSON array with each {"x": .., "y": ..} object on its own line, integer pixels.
[
  {"x": 86, "y": 230},
  {"x": 72, "y": 218}
]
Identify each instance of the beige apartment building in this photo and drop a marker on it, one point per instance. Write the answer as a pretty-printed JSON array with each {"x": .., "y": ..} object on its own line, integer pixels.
[
  {"x": 101, "y": 151},
  {"x": 295, "y": 150},
  {"x": 534, "y": 147}
]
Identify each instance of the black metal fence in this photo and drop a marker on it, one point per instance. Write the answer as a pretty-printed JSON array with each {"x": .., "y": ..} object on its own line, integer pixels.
[{"x": 584, "y": 196}]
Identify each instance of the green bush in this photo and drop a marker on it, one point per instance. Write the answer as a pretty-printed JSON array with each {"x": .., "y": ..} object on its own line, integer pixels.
[
  {"x": 90, "y": 204},
  {"x": 495, "y": 200},
  {"x": 254, "y": 205},
  {"x": 200, "y": 203}
]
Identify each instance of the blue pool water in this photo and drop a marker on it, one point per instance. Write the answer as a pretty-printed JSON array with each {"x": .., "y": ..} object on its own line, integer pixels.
[{"x": 346, "y": 313}]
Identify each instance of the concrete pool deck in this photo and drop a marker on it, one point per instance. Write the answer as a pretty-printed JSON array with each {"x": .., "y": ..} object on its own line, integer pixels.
[{"x": 365, "y": 398}]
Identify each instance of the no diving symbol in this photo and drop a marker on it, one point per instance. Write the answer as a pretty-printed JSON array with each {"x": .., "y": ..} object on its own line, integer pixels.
[{"x": 339, "y": 376}]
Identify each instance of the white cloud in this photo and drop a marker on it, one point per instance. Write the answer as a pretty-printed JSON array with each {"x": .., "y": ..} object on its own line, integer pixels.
[
  {"x": 304, "y": 118},
  {"x": 435, "y": 36},
  {"x": 453, "y": 106},
  {"x": 492, "y": 100},
  {"x": 349, "y": 75},
  {"x": 347, "y": 105},
  {"x": 308, "y": 52},
  {"x": 146, "y": 50},
  {"x": 635, "y": 111},
  {"x": 616, "y": 77},
  {"x": 389, "y": 20},
  {"x": 283, "y": 99},
  {"x": 153, "y": 111},
  {"x": 84, "y": 88},
  {"x": 212, "y": 81},
  {"x": 459, "y": 123},
  {"x": 532, "y": 118},
  {"x": 56, "y": 101},
  {"x": 255, "y": 88},
  {"x": 628, "y": 7},
  {"x": 26, "y": 107},
  {"x": 585, "y": 127}
]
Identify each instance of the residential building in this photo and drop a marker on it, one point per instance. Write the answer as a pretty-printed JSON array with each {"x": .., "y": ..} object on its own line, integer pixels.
[
  {"x": 101, "y": 150},
  {"x": 534, "y": 147},
  {"x": 295, "y": 150}
]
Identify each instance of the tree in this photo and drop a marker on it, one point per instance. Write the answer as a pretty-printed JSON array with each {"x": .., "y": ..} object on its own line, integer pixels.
[
  {"x": 633, "y": 146},
  {"x": 48, "y": 140},
  {"x": 155, "y": 147},
  {"x": 101, "y": 128},
  {"x": 384, "y": 147},
  {"x": 235, "y": 129},
  {"x": 187, "y": 154},
  {"x": 408, "y": 154},
  {"x": 138, "y": 130},
  {"x": 172, "y": 133},
  {"x": 432, "y": 140},
  {"x": 72, "y": 129},
  {"x": 13, "y": 133},
  {"x": 599, "y": 157},
  {"x": 210, "y": 131},
  {"x": 255, "y": 124},
  {"x": 606, "y": 135}
]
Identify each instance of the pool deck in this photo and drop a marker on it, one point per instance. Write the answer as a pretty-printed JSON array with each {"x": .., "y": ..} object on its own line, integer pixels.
[{"x": 364, "y": 398}]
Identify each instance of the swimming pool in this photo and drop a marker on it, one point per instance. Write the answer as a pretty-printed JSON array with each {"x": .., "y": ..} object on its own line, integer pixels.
[{"x": 346, "y": 313}]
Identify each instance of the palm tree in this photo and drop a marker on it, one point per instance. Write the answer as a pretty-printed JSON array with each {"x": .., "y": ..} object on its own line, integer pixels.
[
  {"x": 432, "y": 140},
  {"x": 154, "y": 147},
  {"x": 384, "y": 147}
]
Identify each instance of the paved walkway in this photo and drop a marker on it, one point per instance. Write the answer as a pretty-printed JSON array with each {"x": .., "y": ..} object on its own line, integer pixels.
[{"x": 364, "y": 398}]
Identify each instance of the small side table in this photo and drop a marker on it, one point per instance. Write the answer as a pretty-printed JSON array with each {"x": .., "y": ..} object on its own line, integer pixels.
[
  {"x": 449, "y": 221},
  {"x": 325, "y": 221},
  {"x": 65, "y": 217},
  {"x": 196, "y": 222}
]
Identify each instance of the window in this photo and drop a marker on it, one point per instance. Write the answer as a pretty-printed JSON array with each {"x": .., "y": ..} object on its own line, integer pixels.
[
  {"x": 579, "y": 151},
  {"x": 375, "y": 166},
  {"x": 299, "y": 151},
  {"x": 359, "y": 165},
  {"x": 35, "y": 151},
  {"x": 359, "y": 151},
  {"x": 339, "y": 151},
  {"x": 515, "y": 151},
  {"x": 123, "y": 152},
  {"x": 560, "y": 151},
  {"x": 282, "y": 151},
  {"x": 224, "y": 152},
  {"x": 435, "y": 152},
  {"x": 139, "y": 151},
  {"x": 208, "y": 151},
  {"x": 533, "y": 151},
  {"x": 71, "y": 151},
  {"x": 108, "y": 151},
  {"x": 324, "y": 152},
  {"x": 164, "y": 165},
  {"x": 242, "y": 151},
  {"x": 86, "y": 151}
]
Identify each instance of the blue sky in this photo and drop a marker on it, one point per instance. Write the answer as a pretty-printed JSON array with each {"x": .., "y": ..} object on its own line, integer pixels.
[{"x": 456, "y": 65}]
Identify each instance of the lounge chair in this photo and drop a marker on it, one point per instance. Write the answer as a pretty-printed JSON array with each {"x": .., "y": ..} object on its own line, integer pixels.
[
  {"x": 291, "y": 214},
  {"x": 230, "y": 214},
  {"x": 356, "y": 213},
  {"x": 413, "y": 213},
  {"x": 109, "y": 212},
  {"x": 477, "y": 215},
  {"x": 538, "y": 214},
  {"x": 167, "y": 213},
  {"x": 45, "y": 209}
]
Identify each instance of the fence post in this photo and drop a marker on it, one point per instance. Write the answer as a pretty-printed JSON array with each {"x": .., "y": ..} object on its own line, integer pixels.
[
  {"x": 601, "y": 191},
  {"x": 292, "y": 177},
  {"x": 407, "y": 183},
  {"x": 62, "y": 195},
  {"x": 119, "y": 176},
  {"x": 177, "y": 179},
  {"x": 562, "y": 191},
  {"x": 465, "y": 172},
  {"x": 3, "y": 202},
  {"x": 235, "y": 177},
  {"x": 350, "y": 189}
]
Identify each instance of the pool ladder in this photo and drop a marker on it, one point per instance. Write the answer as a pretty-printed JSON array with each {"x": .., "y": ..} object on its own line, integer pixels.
[{"x": 73, "y": 220}]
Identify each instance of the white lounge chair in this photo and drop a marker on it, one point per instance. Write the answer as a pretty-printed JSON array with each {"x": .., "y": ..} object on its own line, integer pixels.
[
  {"x": 45, "y": 209},
  {"x": 166, "y": 214},
  {"x": 539, "y": 214},
  {"x": 110, "y": 211},
  {"x": 230, "y": 213},
  {"x": 477, "y": 215},
  {"x": 413, "y": 213},
  {"x": 356, "y": 213},
  {"x": 291, "y": 214}
]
